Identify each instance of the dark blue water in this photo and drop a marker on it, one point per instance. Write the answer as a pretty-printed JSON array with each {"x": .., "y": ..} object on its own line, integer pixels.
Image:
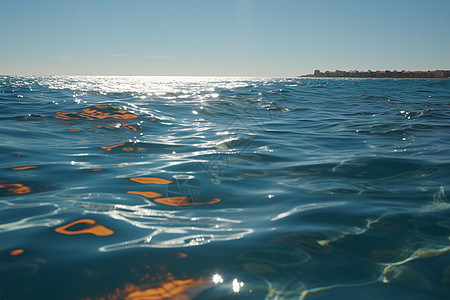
[{"x": 224, "y": 188}]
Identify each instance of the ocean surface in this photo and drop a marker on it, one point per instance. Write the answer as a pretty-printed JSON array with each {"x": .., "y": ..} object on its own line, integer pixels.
[{"x": 224, "y": 188}]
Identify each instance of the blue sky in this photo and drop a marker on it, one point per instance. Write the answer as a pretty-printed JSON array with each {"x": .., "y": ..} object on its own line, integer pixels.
[{"x": 221, "y": 37}]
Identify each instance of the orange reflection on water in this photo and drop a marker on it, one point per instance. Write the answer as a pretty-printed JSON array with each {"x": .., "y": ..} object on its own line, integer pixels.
[
  {"x": 24, "y": 168},
  {"x": 145, "y": 194},
  {"x": 98, "y": 230},
  {"x": 183, "y": 201},
  {"x": 74, "y": 130},
  {"x": 150, "y": 180},
  {"x": 35, "y": 116},
  {"x": 170, "y": 290},
  {"x": 109, "y": 148},
  {"x": 129, "y": 127},
  {"x": 174, "y": 201},
  {"x": 97, "y": 112},
  {"x": 107, "y": 126},
  {"x": 126, "y": 149},
  {"x": 16, "y": 188},
  {"x": 180, "y": 289},
  {"x": 16, "y": 252},
  {"x": 124, "y": 125},
  {"x": 96, "y": 170}
]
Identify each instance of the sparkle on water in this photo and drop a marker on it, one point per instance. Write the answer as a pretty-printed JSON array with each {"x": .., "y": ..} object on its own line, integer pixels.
[{"x": 301, "y": 188}]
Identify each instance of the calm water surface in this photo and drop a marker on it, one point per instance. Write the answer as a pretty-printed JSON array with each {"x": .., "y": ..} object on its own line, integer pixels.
[{"x": 224, "y": 188}]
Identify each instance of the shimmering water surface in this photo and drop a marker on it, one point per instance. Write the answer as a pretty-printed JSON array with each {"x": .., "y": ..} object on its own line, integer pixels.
[{"x": 224, "y": 188}]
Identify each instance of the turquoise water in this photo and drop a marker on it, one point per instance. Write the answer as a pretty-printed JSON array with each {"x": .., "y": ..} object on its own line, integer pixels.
[{"x": 224, "y": 188}]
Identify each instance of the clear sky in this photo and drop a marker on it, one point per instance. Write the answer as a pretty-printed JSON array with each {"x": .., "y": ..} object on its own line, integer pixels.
[{"x": 221, "y": 37}]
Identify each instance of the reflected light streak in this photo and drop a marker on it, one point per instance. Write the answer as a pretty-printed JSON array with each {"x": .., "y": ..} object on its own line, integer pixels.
[
  {"x": 164, "y": 237},
  {"x": 34, "y": 221},
  {"x": 236, "y": 285},
  {"x": 306, "y": 207},
  {"x": 217, "y": 279},
  {"x": 169, "y": 229}
]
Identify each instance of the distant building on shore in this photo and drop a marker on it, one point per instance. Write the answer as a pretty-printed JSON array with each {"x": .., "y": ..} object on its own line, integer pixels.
[{"x": 381, "y": 74}]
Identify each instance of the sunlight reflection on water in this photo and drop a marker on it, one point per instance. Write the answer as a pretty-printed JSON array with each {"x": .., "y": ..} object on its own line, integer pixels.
[{"x": 282, "y": 188}]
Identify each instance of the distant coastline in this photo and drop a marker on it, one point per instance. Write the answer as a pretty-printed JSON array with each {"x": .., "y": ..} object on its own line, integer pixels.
[{"x": 381, "y": 74}]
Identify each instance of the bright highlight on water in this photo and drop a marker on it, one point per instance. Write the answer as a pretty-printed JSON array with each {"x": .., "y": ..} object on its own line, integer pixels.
[{"x": 218, "y": 188}]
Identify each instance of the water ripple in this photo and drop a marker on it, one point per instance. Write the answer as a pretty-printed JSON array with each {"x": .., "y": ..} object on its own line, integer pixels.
[{"x": 285, "y": 188}]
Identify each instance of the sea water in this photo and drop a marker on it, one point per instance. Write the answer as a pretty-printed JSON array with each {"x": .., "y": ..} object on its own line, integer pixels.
[{"x": 224, "y": 188}]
